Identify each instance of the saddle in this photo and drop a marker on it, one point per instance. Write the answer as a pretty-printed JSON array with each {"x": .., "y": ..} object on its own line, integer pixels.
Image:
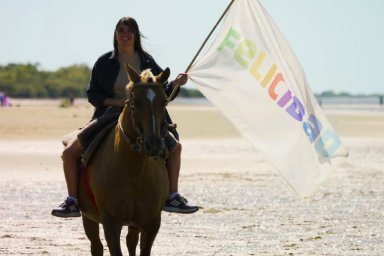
[
  {"x": 96, "y": 141},
  {"x": 91, "y": 149}
]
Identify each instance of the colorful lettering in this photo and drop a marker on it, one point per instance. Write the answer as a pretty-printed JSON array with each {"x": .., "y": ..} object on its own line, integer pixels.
[
  {"x": 272, "y": 88},
  {"x": 328, "y": 144},
  {"x": 269, "y": 76},
  {"x": 312, "y": 128},
  {"x": 296, "y": 109},
  {"x": 227, "y": 40},
  {"x": 256, "y": 66},
  {"x": 244, "y": 52},
  {"x": 285, "y": 99}
]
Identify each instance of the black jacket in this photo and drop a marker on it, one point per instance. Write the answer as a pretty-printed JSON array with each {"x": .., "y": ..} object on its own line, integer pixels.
[{"x": 103, "y": 77}]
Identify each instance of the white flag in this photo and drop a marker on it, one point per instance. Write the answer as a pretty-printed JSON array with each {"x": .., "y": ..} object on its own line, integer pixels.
[{"x": 252, "y": 76}]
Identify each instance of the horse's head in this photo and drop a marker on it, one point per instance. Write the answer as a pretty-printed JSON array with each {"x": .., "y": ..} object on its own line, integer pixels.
[{"x": 147, "y": 102}]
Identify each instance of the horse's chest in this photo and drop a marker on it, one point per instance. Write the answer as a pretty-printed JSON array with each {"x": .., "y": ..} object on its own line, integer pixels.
[
  {"x": 138, "y": 195},
  {"x": 130, "y": 191},
  {"x": 137, "y": 207}
]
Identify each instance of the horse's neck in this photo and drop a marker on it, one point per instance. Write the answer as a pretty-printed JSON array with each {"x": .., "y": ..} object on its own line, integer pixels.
[{"x": 124, "y": 137}]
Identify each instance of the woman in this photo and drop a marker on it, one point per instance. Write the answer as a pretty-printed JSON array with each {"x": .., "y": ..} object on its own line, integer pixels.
[{"x": 106, "y": 91}]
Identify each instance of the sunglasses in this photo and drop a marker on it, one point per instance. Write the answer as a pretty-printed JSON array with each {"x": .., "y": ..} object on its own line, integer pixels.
[{"x": 122, "y": 30}]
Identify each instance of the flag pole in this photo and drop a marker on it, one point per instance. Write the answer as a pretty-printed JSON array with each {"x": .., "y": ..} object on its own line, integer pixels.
[
  {"x": 202, "y": 46},
  {"x": 209, "y": 35}
]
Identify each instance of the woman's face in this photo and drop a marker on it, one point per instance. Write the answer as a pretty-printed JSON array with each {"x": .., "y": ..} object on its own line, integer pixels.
[{"x": 125, "y": 37}]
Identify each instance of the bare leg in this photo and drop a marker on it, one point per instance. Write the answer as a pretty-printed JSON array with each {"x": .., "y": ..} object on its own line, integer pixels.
[
  {"x": 173, "y": 166},
  {"x": 71, "y": 155},
  {"x": 176, "y": 203}
]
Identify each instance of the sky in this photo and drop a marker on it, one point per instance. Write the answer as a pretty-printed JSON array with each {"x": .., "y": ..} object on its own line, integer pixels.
[{"x": 340, "y": 43}]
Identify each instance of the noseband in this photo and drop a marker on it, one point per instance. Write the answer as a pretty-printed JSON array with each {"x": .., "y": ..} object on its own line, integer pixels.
[{"x": 137, "y": 146}]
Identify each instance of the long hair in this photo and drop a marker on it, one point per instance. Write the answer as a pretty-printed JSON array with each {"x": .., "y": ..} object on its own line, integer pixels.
[{"x": 132, "y": 24}]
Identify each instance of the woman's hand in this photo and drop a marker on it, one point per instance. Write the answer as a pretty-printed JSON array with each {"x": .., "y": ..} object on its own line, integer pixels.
[{"x": 180, "y": 80}]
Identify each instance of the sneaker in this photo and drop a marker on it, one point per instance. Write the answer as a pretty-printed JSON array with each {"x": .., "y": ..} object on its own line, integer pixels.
[
  {"x": 179, "y": 205},
  {"x": 67, "y": 209}
]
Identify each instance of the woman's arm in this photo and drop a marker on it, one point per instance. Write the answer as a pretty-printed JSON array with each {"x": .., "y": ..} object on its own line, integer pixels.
[
  {"x": 149, "y": 62},
  {"x": 113, "y": 102},
  {"x": 95, "y": 92}
]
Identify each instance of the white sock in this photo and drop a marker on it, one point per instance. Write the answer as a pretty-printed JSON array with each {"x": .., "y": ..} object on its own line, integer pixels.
[
  {"x": 74, "y": 199},
  {"x": 172, "y": 195}
]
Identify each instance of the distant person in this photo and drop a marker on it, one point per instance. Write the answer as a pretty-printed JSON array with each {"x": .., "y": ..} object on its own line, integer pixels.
[
  {"x": 4, "y": 100},
  {"x": 71, "y": 100},
  {"x": 319, "y": 100},
  {"x": 381, "y": 100},
  {"x": 107, "y": 92}
]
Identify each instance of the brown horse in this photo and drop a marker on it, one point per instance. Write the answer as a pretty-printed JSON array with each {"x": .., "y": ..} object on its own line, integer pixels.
[{"x": 127, "y": 176}]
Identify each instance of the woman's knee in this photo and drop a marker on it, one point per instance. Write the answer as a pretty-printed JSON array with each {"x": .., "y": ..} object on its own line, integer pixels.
[
  {"x": 72, "y": 151},
  {"x": 177, "y": 149}
]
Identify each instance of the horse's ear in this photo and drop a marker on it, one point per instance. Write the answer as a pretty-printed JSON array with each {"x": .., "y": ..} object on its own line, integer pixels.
[
  {"x": 132, "y": 75},
  {"x": 163, "y": 76}
]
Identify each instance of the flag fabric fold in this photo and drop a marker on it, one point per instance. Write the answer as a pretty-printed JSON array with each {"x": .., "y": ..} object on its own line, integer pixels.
[{"x": 252, "y": 76}]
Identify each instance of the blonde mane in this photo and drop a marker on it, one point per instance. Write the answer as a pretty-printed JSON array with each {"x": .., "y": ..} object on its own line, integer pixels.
[{"x": 146, "y": 76}]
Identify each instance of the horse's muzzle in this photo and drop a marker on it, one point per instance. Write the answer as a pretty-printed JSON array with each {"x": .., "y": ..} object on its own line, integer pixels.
[{"x": 153, "y": 146}]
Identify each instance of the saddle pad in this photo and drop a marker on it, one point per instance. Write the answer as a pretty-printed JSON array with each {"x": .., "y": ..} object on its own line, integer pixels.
[{"x": 91, "y": 149}]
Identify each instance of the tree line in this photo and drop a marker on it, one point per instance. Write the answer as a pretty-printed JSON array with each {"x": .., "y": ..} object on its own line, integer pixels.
[{"x": 27, "y": 81}]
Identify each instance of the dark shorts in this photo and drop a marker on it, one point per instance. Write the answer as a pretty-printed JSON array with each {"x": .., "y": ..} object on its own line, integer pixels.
[
  {"x": 94, "y": 127},
  {"x": 170, "y": 141},
  {"x": 108, "y": 121}
]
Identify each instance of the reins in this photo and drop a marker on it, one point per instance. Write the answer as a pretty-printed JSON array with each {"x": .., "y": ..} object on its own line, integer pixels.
[
  {"x": 137, "y": 146},
  {"x": 137, "y": 81}
]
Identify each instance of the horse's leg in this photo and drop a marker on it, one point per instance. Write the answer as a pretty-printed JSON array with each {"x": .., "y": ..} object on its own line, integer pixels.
[
  {"x": 91, "y": 229},
  {"x": 132, "y": 240},
  {"x": 148, "y": 236},
  {"x": 112, "y": 232}
]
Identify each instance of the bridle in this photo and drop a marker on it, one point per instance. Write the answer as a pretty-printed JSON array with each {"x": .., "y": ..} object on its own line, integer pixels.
[{"x": 137, "y": 145}]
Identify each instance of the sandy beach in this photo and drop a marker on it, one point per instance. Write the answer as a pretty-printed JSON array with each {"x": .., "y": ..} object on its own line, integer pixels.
[{"x": 246, "y": 207}]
